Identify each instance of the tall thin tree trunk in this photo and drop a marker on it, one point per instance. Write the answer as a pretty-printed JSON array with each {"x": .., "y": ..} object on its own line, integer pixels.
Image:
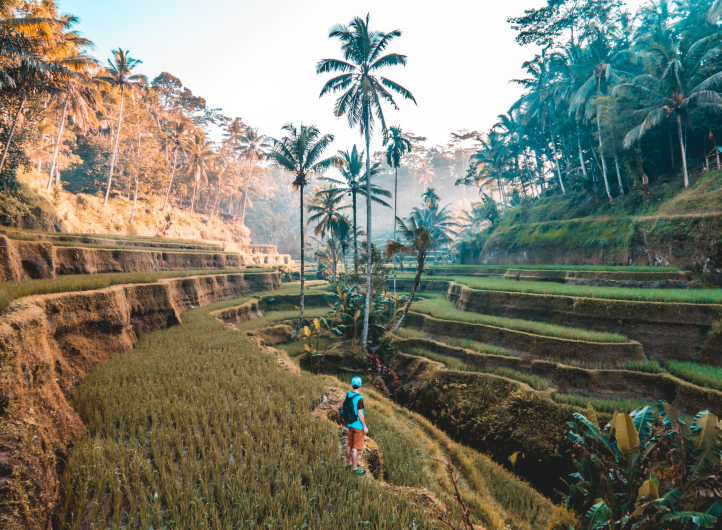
[
  {"x": 135, "y": 200},
  {"x": 556, "y": 160},
  {"x": 355, "y": 238},
  {"x": 421, "y": 259},
  {"x": 193, "y": 200},
  {"x": 12, "y": 131},
  {"x": 619, "y": 176},
  {"x": 393, "y": 259},
  {"x": 601, "y": 155},
  {"x": 303, "y": 277},
  {"x": 115, "y": 147},
  {"x": 368, "y": 234},
  {"x": 581, "y": 156},
  {"x": 245, "y": 193},
  {"x": 172, "y": 176},
  {"x": 682, "y": 151},
  {"x": 57, "y": 144}
]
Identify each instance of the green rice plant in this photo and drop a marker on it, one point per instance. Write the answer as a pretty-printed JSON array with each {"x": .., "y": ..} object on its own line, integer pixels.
[
  {"x": 479, "y": 347},
  {"x": 10, "y": 291},
  {"x": 605, "y": 268},
  {"x": 699, "y": 374},
  {"x": 198, "y": 428},
  {"x": 599, "y": 404},
  {"x": 439, "y": 307},
  {"x": 650, "y": 367},
  {"x": 690, "y": 296}
]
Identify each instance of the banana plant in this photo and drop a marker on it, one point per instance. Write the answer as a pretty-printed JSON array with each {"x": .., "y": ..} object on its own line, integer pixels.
[
  {"x": 322, "y": 329},
  {"x": 615, "y": 486}
]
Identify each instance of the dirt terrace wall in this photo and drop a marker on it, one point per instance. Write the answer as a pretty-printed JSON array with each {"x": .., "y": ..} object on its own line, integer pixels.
[
  {"x": 48, "y": 344},
  {"x": 681, "y": 241},
  {"x": 607, "y": 384},
  {"x": 105, "y": 241},
  {"x": 20, "y": 260},
  {"x": 604, "y": 353},
  {"x": 677, "y": 331}
]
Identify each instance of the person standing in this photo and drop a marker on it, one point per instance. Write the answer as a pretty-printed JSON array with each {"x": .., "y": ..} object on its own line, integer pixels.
[{"x": 353, "y": 409}]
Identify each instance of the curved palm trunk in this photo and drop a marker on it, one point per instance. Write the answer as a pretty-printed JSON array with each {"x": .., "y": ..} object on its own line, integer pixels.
[
  {"x": 601, "y": 155},
  {"x": 193, "y": 199},
  {"x": 682, "y": 151},
  {"x": 355, "y": 238},
  {"x": 115, "y": 148},
  {"x": 172, "y": 176},
  {"x": 245, "y": 193},
  {"x": 333, "y": 257},
  {"x": 393, "y": 261},
  {"x": 421, "y": 260},
  {"x": 135, "y": 200},
  {"x": 303, "y": 278},
  {"x": 556, "y": 160},
  {"x": 57, "y": 146},
  {"x": 619, "y": 176},
  {"x": 581, "y": 154},
  {"x": 12, "y": 131},
  {"x": 367, "y": 313}
]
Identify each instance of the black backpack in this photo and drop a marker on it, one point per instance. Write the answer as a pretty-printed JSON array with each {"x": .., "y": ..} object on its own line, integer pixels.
[{"x": 347, "y": 410}]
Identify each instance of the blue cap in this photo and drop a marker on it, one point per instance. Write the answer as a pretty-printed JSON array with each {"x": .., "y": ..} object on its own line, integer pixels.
[{"x": 356, "y": 381}]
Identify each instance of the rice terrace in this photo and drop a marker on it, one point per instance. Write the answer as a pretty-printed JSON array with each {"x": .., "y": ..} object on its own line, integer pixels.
[{"x": 370, "y": 265}]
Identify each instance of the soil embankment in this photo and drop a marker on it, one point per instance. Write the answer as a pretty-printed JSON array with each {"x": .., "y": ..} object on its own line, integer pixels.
[
  {"x": 674, "y": 331},
  {"x": 49, "y": 343},
  {"x": 21, "y": 260}
]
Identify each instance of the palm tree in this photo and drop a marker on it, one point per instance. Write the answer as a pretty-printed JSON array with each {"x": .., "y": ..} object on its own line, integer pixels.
[
  {"x": 300, "y": 152},
  {"x": 325, "y": 210},
  {"x": 675, "y": 80},
  {"x": 362, "y": 92},
  {"x": 539, "y": 101},
  {"x": 177, "y": 136},
  {"x": 199, "y": 153},
  {"x": 253, "y": 146},
  {"x": 353, "y": 185},
  {"x": 419, "y": 241},
  {"x": 397, "y": 145},
  {"x": 120, "y": 74}
]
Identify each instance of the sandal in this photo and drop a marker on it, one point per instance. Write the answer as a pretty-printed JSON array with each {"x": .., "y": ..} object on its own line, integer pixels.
[{"x": 359, "y": 472}]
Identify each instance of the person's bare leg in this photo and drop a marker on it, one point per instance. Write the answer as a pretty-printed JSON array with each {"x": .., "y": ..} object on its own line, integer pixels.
[
  {"x": 348, "y": 456},
  {"x": 354, "y": 452}
]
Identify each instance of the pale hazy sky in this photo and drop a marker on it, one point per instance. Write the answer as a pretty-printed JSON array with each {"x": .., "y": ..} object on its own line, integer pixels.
[{"x": 256, "y": 58}]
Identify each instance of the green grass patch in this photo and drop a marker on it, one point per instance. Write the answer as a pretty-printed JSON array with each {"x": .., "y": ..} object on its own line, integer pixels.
[
  {"x": 439, "y": 307},
  {"x": 650, "y": 367},
  {"x": 601, "y": 405},
  {"x": 479, "y": 347},
  {"x": 699, "y": 374},
  {"x": 689, "y": 296},
  {"x": 600, "y": 268},
  {"x": 10, "y": 291}
]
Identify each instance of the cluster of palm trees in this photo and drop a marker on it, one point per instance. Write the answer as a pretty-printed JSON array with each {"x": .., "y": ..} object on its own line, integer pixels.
[
  {"x": 609, "y": 103},
  {"x": 56, "y": 98}
]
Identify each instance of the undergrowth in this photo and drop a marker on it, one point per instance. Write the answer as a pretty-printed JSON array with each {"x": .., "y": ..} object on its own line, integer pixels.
[{"x": 439, "y": 307}]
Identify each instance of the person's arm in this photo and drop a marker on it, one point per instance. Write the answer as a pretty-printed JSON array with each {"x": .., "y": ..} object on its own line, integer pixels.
[{"x": 363, "y": 420}]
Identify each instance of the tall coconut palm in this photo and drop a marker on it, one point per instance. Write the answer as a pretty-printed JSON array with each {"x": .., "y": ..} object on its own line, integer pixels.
[
  {"x": 674, "y": 81},
  {"x": 253, "y": 147},
  {"x": 120, "y": 74},
  {"x": 325, "y": 211},
  {"x": 300, "y": 152},
  {"x": 199, "y": 152},
  {"x": 418, "y": 242},
  {"x": 397, "y": 145},
  {"x": 354, "y": 184},
  {"x": 362, "y": 92},
  {"x": 177, "y": 135}
]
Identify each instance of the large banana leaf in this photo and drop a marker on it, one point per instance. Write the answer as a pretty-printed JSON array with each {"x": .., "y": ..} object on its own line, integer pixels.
[
  {"x": 707, "y": 425},
  {"x": 692, "y": 520},
  {"x": 643, "y": 419},
  {"x": 598, "y": 516},
  {"x": 627, "y": 437}
]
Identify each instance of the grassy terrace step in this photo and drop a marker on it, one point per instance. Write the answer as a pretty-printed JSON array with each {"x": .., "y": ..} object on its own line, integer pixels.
[
  {"x": 599, "y": 384},
  {"x": 469, "y": 270},
  {"x": 10, "y": 291},
  {"x": 254, "y": 414}
]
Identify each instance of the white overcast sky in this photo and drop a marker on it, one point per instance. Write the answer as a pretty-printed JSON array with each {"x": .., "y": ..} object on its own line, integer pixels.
[{"x": 256, "y": 58}]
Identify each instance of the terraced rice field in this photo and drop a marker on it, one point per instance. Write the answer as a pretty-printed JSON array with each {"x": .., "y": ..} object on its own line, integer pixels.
[
  {"x": 693, "y": 296},
  {"x": 439, "y": 307},
  {"x": 198, "y": 428},
  {"x": 699, "y": 374}
]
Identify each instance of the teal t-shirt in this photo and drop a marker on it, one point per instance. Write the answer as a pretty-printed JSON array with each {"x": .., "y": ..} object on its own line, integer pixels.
[{"x": 358, "y": 408}]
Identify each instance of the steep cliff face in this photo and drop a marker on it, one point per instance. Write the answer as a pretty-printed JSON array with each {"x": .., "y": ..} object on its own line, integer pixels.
[
  {"x": 21, "y": 260},
  {"x": 48, "y": 344}
]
